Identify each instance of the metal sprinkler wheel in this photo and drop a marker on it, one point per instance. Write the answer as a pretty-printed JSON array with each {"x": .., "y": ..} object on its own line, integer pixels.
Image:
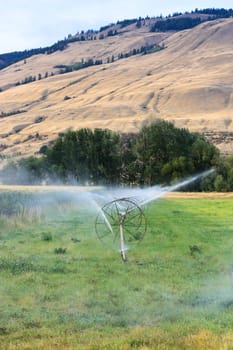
[{"x": 121, "y": 224}]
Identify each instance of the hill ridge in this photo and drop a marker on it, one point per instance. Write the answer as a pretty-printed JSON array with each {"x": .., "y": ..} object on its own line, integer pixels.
[
  {"x": 188, "y": 83},
  {"x": 177, "y": 21}
]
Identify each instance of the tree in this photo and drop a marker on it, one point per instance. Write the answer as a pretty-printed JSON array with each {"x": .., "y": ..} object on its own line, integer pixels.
[
  {"x": 128, "y": 160},
  {"x": 105, "y": 157},
  {"x": 159, "y": 154},
  {"x": 203, "y": 153},
  {"x": 179, "y": 23},
  {"x": 165, "y": 153},
  {"x": 88, "y": 156}
]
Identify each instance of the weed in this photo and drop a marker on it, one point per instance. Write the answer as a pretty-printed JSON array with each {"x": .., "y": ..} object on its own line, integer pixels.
[
  {"x": 194, "y": 249},
  {"x": 18, "y": 265},
  {"x": 75, "y": 240},
  {"x": 60, "y": 250},
  {"x": 46, "y": 236},
  {"x": 3, "y": 330}
]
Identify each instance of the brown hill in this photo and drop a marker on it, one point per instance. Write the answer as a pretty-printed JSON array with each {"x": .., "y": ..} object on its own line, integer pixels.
[{"x": 189, "y": 82}]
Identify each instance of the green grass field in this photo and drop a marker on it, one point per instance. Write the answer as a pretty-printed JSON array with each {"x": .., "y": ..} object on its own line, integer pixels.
[{"x": 60, "y": 288}]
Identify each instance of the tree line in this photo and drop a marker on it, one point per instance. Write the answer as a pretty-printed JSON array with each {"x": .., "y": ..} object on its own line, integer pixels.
[
  {"x": 7, "y": 59},
  {"x": 143, "y": 50},
  {"x": 175, "y": 24},
  {"x": 216, "y": 12},
  {"x": 159, "y": 153},
  {"x": 170, "y": 22}
]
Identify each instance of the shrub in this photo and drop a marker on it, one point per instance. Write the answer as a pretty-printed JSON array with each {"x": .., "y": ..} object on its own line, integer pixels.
[
  {"x": 60, "y": 250},
  {"x": 46, "y": 236}
]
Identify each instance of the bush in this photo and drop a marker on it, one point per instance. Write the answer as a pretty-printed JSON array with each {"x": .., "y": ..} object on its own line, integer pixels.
[
  {"x": 46, "y": 236},
  {"x": 159, "y": 153},
  {"x": 60, "y": 250}
]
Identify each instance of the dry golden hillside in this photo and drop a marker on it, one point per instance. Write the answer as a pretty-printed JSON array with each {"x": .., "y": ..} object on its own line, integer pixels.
[{"x": 189, "y": 82}]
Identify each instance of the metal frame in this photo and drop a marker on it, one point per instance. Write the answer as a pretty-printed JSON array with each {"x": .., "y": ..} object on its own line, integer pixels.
[{"x": 121, "y": 223}]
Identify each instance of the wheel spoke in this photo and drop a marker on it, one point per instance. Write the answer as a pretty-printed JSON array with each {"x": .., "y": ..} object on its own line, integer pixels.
[{"x": 119, "y": 212}]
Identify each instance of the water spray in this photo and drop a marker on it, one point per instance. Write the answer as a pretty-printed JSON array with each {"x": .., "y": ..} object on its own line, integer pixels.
[{"x": 121, "y": 222}]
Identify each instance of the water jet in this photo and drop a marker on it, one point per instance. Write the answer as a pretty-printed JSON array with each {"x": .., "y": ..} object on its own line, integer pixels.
[{"x": 121, "y": 222}]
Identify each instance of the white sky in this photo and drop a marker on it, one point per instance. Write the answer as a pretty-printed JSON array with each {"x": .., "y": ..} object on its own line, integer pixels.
[{"x": 29, "y": 24}]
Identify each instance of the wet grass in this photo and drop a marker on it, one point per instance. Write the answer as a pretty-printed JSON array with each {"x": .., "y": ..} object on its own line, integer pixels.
[{"x": 62, "y": 289}]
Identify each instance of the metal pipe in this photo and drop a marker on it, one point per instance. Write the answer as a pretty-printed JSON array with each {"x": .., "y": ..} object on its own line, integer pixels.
[{"x": 122, "y": 243}]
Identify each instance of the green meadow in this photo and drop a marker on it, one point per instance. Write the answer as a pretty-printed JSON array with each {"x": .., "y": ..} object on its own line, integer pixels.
[{"x": 61, "y": 288}]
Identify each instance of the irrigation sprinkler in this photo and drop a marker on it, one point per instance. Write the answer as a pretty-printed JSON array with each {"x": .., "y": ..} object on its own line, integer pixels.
[{"x": 121, "y": 223}]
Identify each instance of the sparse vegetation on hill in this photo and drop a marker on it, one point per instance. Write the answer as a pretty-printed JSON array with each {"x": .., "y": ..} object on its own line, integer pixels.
[
  {"x": 181, "y": 21},
  {"x": 7, "y": 59},
  {"x": 177, "y": 22},
  {"x": 186, "y": 83},
  {"x": 9, "y": 114},
  {"x": 144, "y": 50}
]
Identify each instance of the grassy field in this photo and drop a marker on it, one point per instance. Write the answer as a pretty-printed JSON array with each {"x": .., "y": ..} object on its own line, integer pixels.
[{"x": 62, "y": 289}]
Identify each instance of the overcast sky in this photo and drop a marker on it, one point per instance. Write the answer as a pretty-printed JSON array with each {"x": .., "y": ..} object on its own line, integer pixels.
[{"x": 29, "y": 24}]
